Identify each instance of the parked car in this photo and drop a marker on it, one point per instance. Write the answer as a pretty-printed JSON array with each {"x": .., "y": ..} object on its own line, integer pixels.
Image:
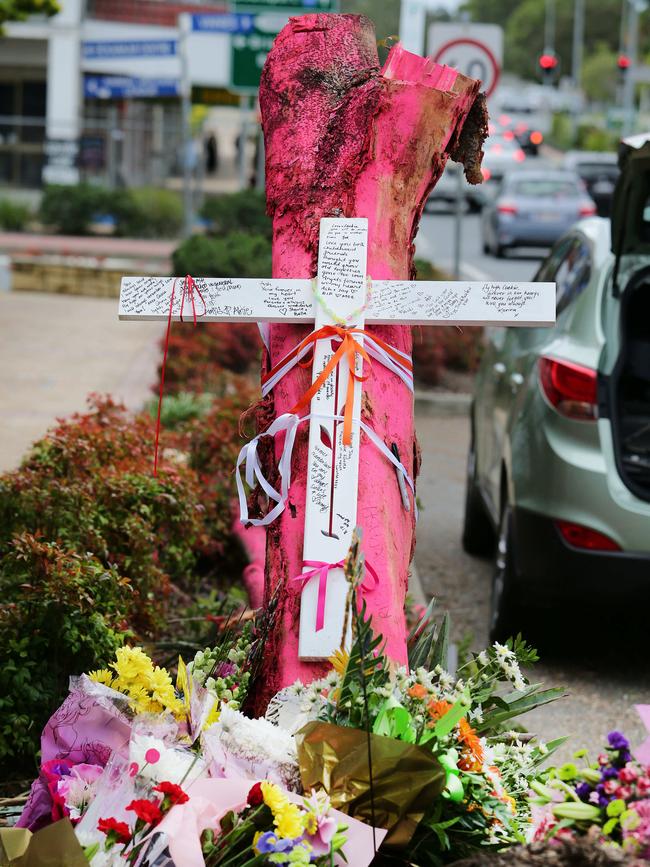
[
  {"x": 501, "y": 154},
  {"x": 533, "y": 208},
  {"x": 446, "y": 191},
  {"x": 558, "y": 471},
  {"x": 599, "y": 172}
]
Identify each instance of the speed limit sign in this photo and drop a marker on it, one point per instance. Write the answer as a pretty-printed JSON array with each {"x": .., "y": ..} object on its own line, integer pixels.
[{"x": 476, "y": 50}]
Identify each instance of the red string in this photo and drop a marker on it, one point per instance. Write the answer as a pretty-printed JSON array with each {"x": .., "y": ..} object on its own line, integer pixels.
[{"x": 189, "y": 287}]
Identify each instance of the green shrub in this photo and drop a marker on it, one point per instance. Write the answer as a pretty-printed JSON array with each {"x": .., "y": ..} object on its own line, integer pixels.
[
  {"x": 88, "y": 485},
  {"x": 180, "y": 408},
  {"x": 244, "y": 211},
  {"x": 13, "y": 215},
  {"x": 71, "y": 209},
  {"x": 150, "y": 213},
  {"x": 236, "y": 255},
  {"x": 62, "y": 613}
]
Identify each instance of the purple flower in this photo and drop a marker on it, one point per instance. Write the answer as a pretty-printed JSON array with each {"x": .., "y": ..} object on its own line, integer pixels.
[
  {"x": 609, "y": 774},
  {"x": 617, "y": 741},
  {"x": 583, "y": 790},
  {"x": 270, "y": 842}
]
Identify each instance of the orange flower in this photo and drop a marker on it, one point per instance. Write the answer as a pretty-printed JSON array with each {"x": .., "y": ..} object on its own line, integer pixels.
[
  {"x": 418, "y": 691},
  {"x": 472, "y": 754},
  {"x": 438, "y": 709}
]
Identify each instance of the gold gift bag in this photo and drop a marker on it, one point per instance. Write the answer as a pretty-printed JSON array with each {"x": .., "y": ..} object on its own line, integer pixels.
[
  {"x": 54, "y": 846},
  {"x": 406, "y": 778}
]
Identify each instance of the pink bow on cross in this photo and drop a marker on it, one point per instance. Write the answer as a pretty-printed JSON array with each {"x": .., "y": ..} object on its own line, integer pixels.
[
  {"x": 322, "y": 569},
  {"x": 642, "y": 752}
]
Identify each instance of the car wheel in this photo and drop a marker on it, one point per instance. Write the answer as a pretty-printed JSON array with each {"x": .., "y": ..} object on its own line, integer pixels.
[
  {"x": 505, "y": 609},
  {"x": 500, "y": 251},
  {"x": 478, "y": 535},
  {"x": 486, "y": 248}
]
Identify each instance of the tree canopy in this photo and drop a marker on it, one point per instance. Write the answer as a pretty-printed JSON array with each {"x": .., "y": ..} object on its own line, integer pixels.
[{"x": 523, "y": 24}]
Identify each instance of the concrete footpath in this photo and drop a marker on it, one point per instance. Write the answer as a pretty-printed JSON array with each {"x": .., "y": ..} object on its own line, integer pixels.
[{"x": 54, "y": 351}]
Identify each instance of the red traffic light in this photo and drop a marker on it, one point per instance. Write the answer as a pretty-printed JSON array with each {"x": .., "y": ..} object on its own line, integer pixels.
[
  {"x": 547, "y": 61},
  {"x": 623, "y": 61}
]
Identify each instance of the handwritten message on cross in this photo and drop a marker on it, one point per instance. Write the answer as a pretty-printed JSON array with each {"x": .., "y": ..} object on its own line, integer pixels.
[{"x": 340, "y": 303}]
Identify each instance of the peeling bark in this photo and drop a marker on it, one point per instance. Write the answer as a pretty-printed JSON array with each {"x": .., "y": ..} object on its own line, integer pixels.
[{"x": 344, "y": 138}]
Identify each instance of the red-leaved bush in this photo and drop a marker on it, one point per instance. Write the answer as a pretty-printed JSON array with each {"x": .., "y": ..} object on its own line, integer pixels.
[{"x": 198, "y": 356}]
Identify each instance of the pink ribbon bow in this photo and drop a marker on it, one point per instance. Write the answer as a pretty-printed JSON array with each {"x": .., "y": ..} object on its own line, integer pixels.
[{"x": 322, "y": 569}]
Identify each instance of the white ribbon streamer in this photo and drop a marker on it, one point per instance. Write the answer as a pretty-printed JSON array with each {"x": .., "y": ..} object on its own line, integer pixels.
[
  {"x": 374, "y": 350},
  {"x": 289, "y": 422}
]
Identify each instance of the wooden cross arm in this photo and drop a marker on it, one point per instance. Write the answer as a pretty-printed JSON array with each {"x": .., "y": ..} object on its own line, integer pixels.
[{"x": 407, "y": 302}]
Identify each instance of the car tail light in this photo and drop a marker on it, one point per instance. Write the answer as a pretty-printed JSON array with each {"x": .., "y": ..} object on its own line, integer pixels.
[
  {"x": 487, "y": 174},
  {"x": 519, "y": 156},
  {"x": 504, "y": 119},
  {"x": 587, "y": 210},
  {"x": 570, "y": 388},
  {"x": 585, "y": 538},
  {"x": 509, "y": 135},
  {"x": 506, "y": 208},
  {"x": 536, "y": 137}
]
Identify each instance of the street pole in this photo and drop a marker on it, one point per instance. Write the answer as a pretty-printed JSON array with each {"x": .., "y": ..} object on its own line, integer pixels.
[
  {"x": 578, "y": 42},
  {"x": 458, "y": 221},
  {"x": 184, "y": 26},
  {"x": 629, "y": 108}
]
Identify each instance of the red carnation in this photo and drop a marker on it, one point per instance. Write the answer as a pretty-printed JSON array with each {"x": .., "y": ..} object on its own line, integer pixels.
[
  {"x": 147, "y": 811},
  {"x": 119, "y": 830},
  {"x": 255, "y": 796},
  {"x": 173, "y": 792}
]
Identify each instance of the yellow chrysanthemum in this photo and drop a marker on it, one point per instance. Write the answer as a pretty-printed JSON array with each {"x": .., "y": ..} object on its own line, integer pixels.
[
  {"x": 213, "y": 716},
  {"x": 339, "y": 661},
  {"x": 132, "y": 663},
  {"x": 102, "y": 675},
  {"x": 311, "y": 823},
  {"x": 273, "y": 797},
  {"x": 289, "y": 821}
]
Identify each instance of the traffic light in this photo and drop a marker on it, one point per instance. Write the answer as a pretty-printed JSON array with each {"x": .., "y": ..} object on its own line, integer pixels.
[
  {"x": 547, "y": 64},
  {"x": 623, "y": 62}
]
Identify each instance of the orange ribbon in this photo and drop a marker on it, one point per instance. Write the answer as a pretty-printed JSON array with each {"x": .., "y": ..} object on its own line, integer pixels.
[{"x": 349, "y": 348}]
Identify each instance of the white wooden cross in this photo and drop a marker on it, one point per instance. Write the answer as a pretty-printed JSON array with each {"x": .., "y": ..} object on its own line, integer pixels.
[{"x": 333, "y": 468}]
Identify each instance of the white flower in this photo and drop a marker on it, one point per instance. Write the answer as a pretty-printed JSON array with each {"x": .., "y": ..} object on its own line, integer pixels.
[
  {"x": 543, "y": 749},
  {"x": 476, "y": 715},
  {"x": 519, "y": 683},
  {"x": 501, "y": 651},
  {"x": 483, "y": 658}
]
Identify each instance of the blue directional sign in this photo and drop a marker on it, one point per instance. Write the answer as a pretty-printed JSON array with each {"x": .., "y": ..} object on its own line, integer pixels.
[
  {"x": 134, "y": 48},
  {"x": 125, "y": 87},
  {"x": 231, "y": 22}
]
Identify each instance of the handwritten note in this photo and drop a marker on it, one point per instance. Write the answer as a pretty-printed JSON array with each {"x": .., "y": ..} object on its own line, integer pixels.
[
  {"x": 218, "y": 300},
  {"x": 464, "y": 303}
]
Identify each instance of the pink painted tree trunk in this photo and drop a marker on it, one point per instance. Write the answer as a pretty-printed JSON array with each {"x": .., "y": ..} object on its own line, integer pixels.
[{"x": 344, "y": 138}]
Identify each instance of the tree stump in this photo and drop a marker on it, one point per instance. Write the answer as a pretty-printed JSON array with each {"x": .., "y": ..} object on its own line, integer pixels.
[{"x": 345, "y": 138}]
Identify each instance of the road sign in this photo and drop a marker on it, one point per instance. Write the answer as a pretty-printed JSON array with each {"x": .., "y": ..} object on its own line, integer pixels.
[
  {"x": 125, "y": 87},
  {"x": 231, "y": 22},
  {"x": 293, "y": 6},
  {"x": 249, "y": 50},
  {"x": 476, "y": 50},
  {"x": 134, "y": 48}
]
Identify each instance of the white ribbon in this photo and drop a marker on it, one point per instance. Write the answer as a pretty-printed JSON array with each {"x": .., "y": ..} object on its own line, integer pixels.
[
  {"x": 373, "y": 349},
  {"x": 289, "y": 422}
]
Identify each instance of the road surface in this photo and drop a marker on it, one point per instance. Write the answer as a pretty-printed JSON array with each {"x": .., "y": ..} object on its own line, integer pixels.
[{"x": 435, "y": 242}]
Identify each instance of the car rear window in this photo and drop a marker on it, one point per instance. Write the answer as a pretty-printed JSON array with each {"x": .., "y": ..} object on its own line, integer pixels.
[{"x": 545, "y": 187}]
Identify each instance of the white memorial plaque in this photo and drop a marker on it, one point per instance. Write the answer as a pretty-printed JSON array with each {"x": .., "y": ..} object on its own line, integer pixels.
[{"x": 333, "y": 467}]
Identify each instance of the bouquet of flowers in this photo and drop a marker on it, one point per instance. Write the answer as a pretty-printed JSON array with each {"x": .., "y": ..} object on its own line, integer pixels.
[
  {"x": 447, "y": 772},
  {"x": 607, "y": 799}
]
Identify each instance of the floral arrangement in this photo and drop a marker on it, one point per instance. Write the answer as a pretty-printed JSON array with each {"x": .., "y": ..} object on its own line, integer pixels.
[
  {"x": 607, "y": 799},
  {"x": 186, "y": 770},
  {"x": 272, "y": 829}
]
